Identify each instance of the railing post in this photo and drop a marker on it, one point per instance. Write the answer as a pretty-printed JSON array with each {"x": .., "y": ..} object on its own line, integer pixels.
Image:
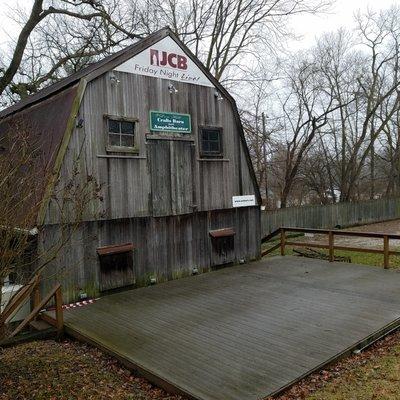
[
  {"x": 59, "y": 311},
  {"x": 2, "y": 330},
  {"x": 36, "y": 293},
  {"x": 386, "y": 251},
  {"x": 331, "y": 249},
  {"x": 283, "y": 240}
]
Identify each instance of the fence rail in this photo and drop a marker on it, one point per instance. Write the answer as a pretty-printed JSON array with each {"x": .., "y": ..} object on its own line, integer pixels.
[
  {"x": 331, "y": 215},
  {"x": 330, "y": 245}
]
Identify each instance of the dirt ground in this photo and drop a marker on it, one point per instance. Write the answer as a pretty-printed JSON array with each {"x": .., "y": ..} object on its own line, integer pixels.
[
  {"x": 392, "y": 227},
  {"x": 68, "y": 370}
]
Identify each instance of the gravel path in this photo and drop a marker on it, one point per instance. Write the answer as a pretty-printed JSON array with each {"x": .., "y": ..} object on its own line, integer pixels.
[{"x": 381, "y": 227}]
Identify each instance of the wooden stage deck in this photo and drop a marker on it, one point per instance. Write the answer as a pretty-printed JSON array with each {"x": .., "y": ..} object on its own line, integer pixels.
[{"x": 243, "y": 332}]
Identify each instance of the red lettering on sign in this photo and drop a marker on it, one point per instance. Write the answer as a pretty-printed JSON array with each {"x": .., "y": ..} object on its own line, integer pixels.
[
  {"x": 153, "y": 56},
  {"x": 182, "y": 62},
  {"x": 164, "y": 58},
  {"x": 171, "y": 59}
]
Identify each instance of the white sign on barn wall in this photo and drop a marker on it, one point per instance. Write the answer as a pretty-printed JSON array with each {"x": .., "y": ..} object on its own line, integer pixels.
[
  {"x": 244, "y": 201},
  {"x": 166, "y": 60}
]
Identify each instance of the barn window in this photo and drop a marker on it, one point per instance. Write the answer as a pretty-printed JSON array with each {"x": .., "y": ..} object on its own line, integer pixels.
[
  {"x": 121, "y": 132},
  {"x": 210, "y": 142}
]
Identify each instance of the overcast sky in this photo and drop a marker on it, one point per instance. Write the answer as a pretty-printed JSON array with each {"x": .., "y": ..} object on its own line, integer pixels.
[
  {"x": 308, "y": 27},
  {"x": 341, "y": 15}
]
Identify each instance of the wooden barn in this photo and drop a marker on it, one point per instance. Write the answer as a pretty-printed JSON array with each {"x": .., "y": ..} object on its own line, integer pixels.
[{"x": 178, "y": 194}]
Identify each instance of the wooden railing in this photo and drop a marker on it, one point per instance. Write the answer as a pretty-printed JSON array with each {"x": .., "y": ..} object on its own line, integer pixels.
[
  {"x": 31, "y": 291},
  {"x": 330, "y": 245}
]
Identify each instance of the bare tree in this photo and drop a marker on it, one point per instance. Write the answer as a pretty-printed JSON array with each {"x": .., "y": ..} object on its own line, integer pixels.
[
  {"x": 258, "y": 129},
  {"x": 222, "y": 32},
  {"x": 306, "y": 109},
  {"x": 318, "y": 172},
  {"x": 362, "y": 68},
  {"x": 388, "y": 156},
  {"x": 356, "y": 79},
  {"x": 59, "y": 35},
  {"x": 24, "y": 174}
]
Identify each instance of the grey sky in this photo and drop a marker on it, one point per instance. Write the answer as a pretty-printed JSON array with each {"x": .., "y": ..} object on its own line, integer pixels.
[
  {"x": 306, "y": 26},
  {"x": 341, "y": 15}
]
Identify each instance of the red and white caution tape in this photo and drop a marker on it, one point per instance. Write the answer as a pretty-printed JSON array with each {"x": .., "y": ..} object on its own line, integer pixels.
[
  {"x": 74, "y": 305},
  {"x": 78, "y": 304}
]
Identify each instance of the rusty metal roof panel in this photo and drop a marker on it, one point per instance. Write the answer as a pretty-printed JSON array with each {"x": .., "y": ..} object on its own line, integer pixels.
[
  {"x": 46, "y": 121},
  {"x": 43, "y": 125}
]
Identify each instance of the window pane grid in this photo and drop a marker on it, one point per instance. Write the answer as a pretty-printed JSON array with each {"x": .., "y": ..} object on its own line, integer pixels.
[
  {"x": 211, "y": 143},
  {"x": 121, "y": 133}
]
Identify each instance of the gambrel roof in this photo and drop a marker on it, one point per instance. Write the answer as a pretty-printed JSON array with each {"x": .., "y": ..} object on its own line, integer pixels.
[{"x": 51, "y": 112}]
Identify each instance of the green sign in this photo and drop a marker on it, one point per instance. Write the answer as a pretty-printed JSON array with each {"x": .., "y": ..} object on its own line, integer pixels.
[{"x": 170, "y": 122}]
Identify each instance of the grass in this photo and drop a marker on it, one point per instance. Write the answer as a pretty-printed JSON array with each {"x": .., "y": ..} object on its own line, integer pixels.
[
  {"x": 380, "y": 381},
  {"x": 373, "y": 259},
  {"x": 369, "y": 258},
  {"x": 49, "y": 370}
]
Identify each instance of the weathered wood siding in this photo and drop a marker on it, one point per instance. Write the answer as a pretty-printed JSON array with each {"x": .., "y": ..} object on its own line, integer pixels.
[
  {"x": 166, "y": 247},
  {"x": 171, "y": 173},
  {"x": 165, "y": 199},
  {"x": 167, "y": 176}
]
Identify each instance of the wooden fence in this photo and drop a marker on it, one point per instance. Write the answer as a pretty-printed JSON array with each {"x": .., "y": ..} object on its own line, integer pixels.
[
  {"x": 330, "y": 244},
  {"x": 331, "y": 215}
]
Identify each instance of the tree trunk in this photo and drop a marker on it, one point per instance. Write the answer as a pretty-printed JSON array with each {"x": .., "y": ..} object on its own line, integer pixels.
[
  {"x": 2, "y": 326},
  {"x": 372, "y": 166},
  {"x": 285, "y": 194},
  {"x": 264, "y": 157}
]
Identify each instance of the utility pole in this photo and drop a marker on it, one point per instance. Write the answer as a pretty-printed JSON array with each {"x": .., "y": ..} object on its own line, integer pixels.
[
  {"x": 372, "y": 165},
  {"x": 264, "y": 132}
]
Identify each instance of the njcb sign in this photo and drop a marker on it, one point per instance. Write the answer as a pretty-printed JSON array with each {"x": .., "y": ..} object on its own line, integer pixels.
[
  {"x": 170, "y": 122},
  {"x": 166, "y": 60}
]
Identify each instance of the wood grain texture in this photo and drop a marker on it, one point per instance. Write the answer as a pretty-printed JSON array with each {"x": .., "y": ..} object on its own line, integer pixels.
[
  {"x": 166, "y": 247},
  {"x": 137, "y": 186},
  {"x": 247, "y": 331},
  {"x": 331, "y": 215},
  {"x": 165, "y": 198}
]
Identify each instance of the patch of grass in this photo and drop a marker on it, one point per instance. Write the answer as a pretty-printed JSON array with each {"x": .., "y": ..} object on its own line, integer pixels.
[
  {"x": 375, "y": 260},
  {"x": 369, "y": 258},
  {"x": 48, "y": 370}
]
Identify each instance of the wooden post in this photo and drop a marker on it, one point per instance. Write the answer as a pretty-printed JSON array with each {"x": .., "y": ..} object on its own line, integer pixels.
[
  {"x": 331, "y": 250},
  {"x": 36, "y": 293},
  {"x": 283, "y": 240},
  {"x": 386, "y": 252},
  {"x": 59, "y": 311},
  {"x": 33, "y": 314}
]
